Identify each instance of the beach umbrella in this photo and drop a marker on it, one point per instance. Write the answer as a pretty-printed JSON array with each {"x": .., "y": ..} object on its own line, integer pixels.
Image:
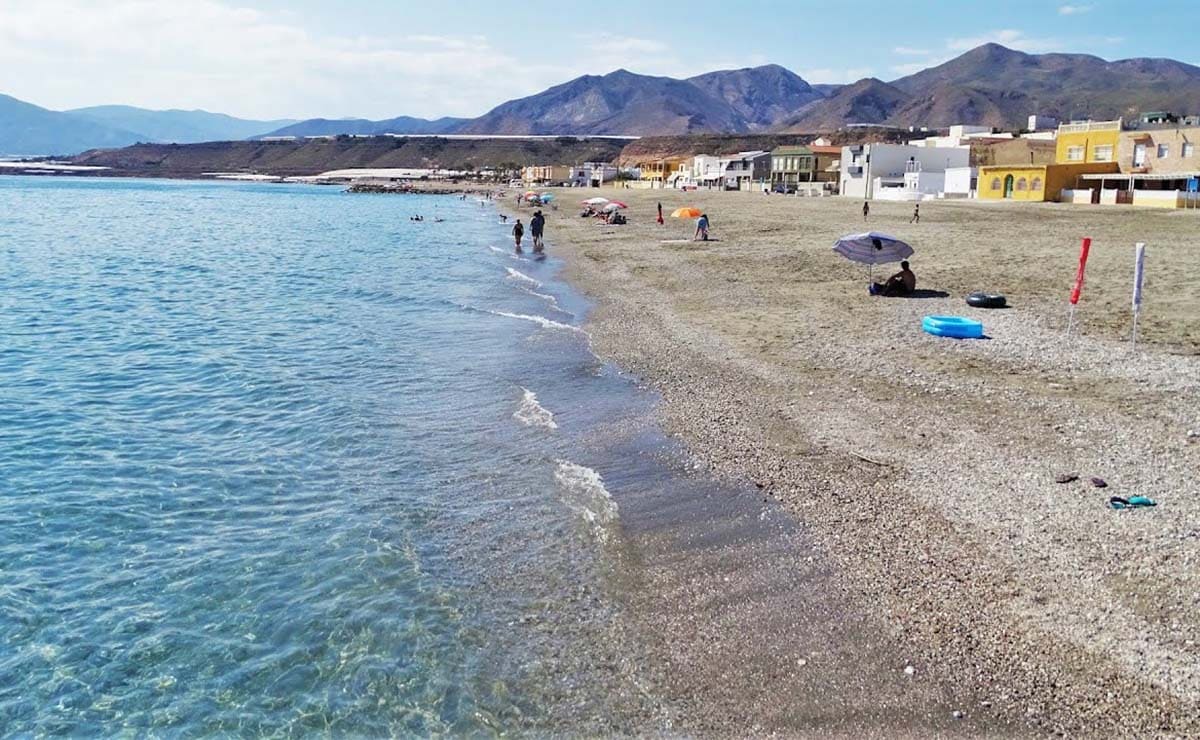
[
  {"x": 614, "y": 206},
  {"x": 686, "y": 213},
  {"x": 547, "y": 197},
  {"x": 595, "y": 201},
  {"x": 872, "y": 248}
]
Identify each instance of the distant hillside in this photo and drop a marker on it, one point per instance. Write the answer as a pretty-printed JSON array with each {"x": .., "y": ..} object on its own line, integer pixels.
[
  {"x": 617, "y": 103},
  {"x": 313, "y": 156},
  {"x": 362, "y": 126},
  {"x": 29, "y": 129},
  {"x": 866, "y": 101},
  {"x": 177, "y": 126},
  {"x": 762, "y": 96},
  {"x": 995, "y": 86}
]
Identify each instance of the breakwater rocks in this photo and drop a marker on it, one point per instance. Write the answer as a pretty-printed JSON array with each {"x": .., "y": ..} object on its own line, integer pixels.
[{"x": 410, "y": 189}]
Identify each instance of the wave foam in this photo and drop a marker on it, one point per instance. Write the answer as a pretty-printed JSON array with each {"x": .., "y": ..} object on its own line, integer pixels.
[
  {"x": 586, "y": 496},
  {"x": 541, "y": 321},
  {"x": 522, "y": 277},
  {"x": 533, "y": 414}
]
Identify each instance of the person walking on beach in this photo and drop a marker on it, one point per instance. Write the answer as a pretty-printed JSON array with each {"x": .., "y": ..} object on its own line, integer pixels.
[
  {"x": 916, "y": 219},
  {"x": 660, "y": 218},
  {"x": 537, "y": 226},
  {"x": 866, "y": 210},
  {"x": 701, "y": 228},
  {"x": 518, "y": 231}
]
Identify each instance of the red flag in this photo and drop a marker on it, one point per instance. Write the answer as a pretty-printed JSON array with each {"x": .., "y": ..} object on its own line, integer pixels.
[{"x": 1083, "y": 255}]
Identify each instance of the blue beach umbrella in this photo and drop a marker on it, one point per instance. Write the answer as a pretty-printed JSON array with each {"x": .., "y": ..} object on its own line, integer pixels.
[{"x": 872, "y": 248}]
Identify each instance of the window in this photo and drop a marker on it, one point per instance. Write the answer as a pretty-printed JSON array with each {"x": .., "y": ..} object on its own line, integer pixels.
[
  {"x": 1074, "y": 154},
  {"x": 1102, "y": 153},
  {"x": 1188, "y": 149},
  {"x": 1164, "y": 151},
  {"x": 1036, "y": 184},
  {"x": 1022, "y": 184},
  {"x": 775, "y": 164},
  {"x": 995, "y": 183}
]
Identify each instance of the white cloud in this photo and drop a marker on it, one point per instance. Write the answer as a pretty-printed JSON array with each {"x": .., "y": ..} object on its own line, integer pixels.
[
  {"x": 210, "y": 54},
  {"x": 1011, "y": 38},
  {"x": 1073, "y": 9},
  {"x": 909, "y": 51}
]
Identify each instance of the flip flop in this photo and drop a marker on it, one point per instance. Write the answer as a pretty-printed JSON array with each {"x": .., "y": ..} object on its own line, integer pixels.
[{"x": 1133, "y": 502}]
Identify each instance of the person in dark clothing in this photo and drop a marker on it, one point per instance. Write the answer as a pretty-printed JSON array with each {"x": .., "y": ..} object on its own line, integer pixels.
[
  {"x": 660, "y": 217},
  {"x": 866, "y": 210},
  {"x": 916, "y": 219},
  {"x": 537, "y": 226},
  {"x": 518, "y": 231}
]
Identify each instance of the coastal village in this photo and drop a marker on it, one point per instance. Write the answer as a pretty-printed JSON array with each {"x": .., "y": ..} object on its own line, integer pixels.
[{"x": 1151, "y": 161}]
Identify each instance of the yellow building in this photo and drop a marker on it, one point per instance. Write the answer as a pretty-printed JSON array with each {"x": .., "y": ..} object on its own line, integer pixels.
[
  {"x": 1043, "y": 182},
  {"x": 1090, "y": 141},
  {"x": 546, "y": 174},
  {"x": 658, "y": 171}
]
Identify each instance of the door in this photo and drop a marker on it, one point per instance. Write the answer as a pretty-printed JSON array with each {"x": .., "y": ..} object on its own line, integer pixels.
[
  {"x": 1008, "y": 186},
  {"x": 1139, "y": 155}
]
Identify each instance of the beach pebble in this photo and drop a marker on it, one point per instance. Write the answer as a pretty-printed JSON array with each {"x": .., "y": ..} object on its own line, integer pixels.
[
  {"x": 1194, "y": 434},
  {"x": 1065, "y": 478},
  {"x": 1099, "y": 483},
  {"x": 909, "y": 670},
  {"x": 957, "y": 714}
]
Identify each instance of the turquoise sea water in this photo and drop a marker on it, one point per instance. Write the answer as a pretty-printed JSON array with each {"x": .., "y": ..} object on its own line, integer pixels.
[{"x": 276, "y": 460}]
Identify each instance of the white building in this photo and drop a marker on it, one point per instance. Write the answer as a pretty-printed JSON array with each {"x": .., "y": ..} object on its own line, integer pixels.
[
  {"x": 591, "y": 174},
  {"x": 898, "y": 171},
  {"x": 707, "y": 171},
  {"x": 961, "y": 182}
]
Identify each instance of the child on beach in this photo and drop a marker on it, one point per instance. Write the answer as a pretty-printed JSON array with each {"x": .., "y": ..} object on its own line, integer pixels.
[
  {"x": 518, "y": 231},
  {"x": 916, "y": 218},
  {"x": 866, "y": 210},
  {"x": 701, "y": 228}
]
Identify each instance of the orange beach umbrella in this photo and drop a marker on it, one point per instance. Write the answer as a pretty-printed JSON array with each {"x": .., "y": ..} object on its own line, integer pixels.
[{"x": 686, "y": 213}]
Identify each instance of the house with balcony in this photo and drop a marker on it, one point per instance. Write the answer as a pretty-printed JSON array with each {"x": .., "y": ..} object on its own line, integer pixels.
[
  {"x": 654, "y": 173},
  {"x": 897, "y": 171},
  {"x": 791, "y": 166},
  {"x": 546, "y": 174},
  {"x": 742, "y": 170},
  {"x": 592, "y": 174}
]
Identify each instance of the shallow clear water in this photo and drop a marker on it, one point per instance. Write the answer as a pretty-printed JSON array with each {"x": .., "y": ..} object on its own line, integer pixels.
[{"x": 275, "y": 460}]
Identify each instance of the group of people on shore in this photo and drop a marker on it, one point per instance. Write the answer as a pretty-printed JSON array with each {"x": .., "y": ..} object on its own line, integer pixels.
[{"x": 537, "y": 230}]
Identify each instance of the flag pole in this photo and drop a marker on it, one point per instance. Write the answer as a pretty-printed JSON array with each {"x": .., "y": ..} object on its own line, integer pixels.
[
  {"x": 1084, "y": 248},
  {"x": 1139, "y": 264}
]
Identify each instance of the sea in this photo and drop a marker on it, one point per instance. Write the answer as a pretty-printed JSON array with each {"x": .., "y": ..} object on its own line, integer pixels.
[{"x": 280, "y": 460}]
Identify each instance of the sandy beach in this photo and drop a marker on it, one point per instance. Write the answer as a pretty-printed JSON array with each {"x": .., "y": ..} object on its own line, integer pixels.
[{"x": 923, "y": 470}]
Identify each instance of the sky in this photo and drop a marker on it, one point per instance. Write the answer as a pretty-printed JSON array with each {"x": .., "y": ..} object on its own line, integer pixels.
[{"x": 385, "y": 58}]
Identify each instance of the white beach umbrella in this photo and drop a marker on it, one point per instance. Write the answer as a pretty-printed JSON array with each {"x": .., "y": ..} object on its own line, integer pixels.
[
  {"x": 595, "y": 201},
  {"x": 872, "y": 248}
]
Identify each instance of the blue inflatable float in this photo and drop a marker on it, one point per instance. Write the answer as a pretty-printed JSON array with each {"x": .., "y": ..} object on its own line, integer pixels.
[{"x": 958, "y": 327}]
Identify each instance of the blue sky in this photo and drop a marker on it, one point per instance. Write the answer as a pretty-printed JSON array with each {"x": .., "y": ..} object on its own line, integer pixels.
[{"x": 376, "y": 59}]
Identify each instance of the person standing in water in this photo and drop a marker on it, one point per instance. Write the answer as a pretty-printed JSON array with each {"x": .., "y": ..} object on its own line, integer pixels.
[
  {"x": 866, "y": 210},
  {"x": 537, "y": 226},
  {"x": 518, "y": 231},
  {"x": 660, "y": 218},
  {"x": 916, "y": 219}
]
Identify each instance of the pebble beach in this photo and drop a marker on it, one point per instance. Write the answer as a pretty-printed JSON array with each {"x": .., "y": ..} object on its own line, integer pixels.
[{"x": 924, "y": 470}]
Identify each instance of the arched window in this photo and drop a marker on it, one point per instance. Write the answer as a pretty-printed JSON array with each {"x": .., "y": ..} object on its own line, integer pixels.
[
  {"x": 995, "y": 183},
  {"x": 1022, "y": 184},
  {"x": 1036, "y": 184}
]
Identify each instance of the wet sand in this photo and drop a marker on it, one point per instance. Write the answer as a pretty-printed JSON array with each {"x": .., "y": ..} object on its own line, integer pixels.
[{"x": 922, "y": 470}]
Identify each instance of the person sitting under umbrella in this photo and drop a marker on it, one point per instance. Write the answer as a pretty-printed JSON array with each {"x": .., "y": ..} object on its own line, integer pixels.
[{"x": 901, "y": 284}]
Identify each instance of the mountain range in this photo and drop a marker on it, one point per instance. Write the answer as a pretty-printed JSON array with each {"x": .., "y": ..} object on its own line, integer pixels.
[
  {"x": 27, "y": 129},
  {"x": 989, "y": 85}
]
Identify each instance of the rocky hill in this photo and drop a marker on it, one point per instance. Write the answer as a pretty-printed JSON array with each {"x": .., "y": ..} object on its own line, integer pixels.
[{"x": 313, "y": 156}]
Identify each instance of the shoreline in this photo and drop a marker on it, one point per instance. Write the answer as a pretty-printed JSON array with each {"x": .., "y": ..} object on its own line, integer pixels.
[{"x": 1090, "y": 640}]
